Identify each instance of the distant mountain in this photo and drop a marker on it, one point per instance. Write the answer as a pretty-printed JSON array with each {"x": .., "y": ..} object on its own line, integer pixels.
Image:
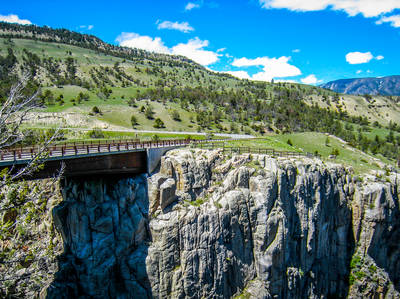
[{"x": 384, "y": 86}]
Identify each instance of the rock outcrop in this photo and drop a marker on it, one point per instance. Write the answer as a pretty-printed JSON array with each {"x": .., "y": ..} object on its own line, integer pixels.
[{"x": 211, "y": 226}]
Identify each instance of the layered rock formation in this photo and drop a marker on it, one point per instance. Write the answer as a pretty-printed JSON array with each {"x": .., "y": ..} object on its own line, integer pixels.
[{"x": 211, "y": 226}]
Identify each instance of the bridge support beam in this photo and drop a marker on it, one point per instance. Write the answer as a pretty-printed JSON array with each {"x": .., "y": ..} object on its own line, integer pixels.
[{"x": 154, "y": 157}]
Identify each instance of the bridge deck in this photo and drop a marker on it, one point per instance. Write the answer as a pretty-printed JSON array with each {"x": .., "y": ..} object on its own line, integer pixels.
[
  {"x": 23, "y": 154},
  {"x": 121, "y": 157}
]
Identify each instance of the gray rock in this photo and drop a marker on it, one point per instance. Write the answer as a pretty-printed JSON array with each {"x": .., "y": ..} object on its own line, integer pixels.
[
  {"x": 288, "y": 229},
  {"x": 167, "y": 193}
]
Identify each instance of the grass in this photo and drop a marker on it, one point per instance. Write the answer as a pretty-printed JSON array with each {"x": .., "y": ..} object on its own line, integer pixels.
[
  {"x": 315, "y": 142},
  {"x": 117, "y": 114},
  {"x": 265, "y": 142}
]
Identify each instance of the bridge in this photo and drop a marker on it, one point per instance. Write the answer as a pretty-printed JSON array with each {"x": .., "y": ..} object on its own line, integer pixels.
[{"x": 114, "y": 157}]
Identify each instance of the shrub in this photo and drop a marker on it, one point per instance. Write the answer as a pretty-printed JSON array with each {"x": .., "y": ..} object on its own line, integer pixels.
[
  {"x": 158, "y": 123},
  {"x": 149, "y": 112},
  {"x": 96, "y": 133},
  {"x": 175, "y": 115},
  {"x": 327, "y": 141},
  {"x": 96, "y": 110},
  {"x": 289, "y": 142},
  {"x": 335, "y": 152},
  {"x": 134, "y": 121}
]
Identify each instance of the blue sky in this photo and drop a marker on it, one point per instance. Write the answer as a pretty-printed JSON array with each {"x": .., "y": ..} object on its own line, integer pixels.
[{"x": 310, "y": 41}]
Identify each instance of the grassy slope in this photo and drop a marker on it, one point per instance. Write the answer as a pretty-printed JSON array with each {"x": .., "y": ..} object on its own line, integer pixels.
[
  {"x": 381, "y": 109},
  {"x": 312, "y": 142},
  {"x": 116, "y": 113}
]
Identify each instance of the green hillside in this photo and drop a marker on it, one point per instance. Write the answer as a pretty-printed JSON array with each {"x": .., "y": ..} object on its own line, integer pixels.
[{"x": 85, "y": 83}]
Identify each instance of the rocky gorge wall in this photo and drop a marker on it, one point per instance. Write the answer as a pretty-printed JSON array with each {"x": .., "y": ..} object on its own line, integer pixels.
[{"x": 210, "y": 226}]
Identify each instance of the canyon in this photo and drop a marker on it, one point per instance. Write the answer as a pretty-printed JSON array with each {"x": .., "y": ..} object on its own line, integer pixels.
[{"x": 205, "y": 225}]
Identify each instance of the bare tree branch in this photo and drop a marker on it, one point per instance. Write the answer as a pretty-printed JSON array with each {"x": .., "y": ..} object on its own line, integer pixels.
[{"x": 12, "y": 114}]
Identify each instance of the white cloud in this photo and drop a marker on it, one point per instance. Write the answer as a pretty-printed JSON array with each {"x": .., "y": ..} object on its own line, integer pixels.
[
  {"x": 239, "y": 74},
  {"x": 285, "y": 81},
  {"x": 393, "y": 20},
  {"x": 14, "y": 19},
  {"x": 183, "y": 27},
  {"x": 359, "y": 72},
  {"x": 368, "y": 8},
  {"x": 272, "y": 67},
  {"x": 221, "y": 50},
  {"x": 194, "y": 49},
  {"x": 311, "y": 79},
  {"x": 296, "y": 51},
  {"x": 379, "y": 57},
  {"x": 134, "y": 40},
  {"x": 87, "y": 27},
  {"x": 358, "y": 57},
  {"x": 191, "y": 5}
]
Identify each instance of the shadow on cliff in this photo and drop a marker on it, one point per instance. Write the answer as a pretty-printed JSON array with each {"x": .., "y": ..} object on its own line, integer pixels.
[
  {"x": 385, "y": 247},
  {"x": 104, "y": 225},
  {"x": 320, "y": 240}
]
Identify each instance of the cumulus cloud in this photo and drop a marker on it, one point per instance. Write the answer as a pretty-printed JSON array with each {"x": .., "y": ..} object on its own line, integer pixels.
[
  {"x": 191, "y": 5},
  {"x": 311, "y": 79},
  {"x": 358, "y": 57},
  {"x": 368, "y": 8},
  {"x": 285, "y": 81},
  {"x": 14, "y": 19},
  {"x": 393, "y": 20},
  {"x": 193, "y": 49},
  {"x": 359, "y": 72},
  {"x": 183, "y": 27},
  {"x": 134, "y": 40},
  {"x": 239, "y": 74},
  {"x": 296, "y": 51},
  {"x": 272, "y": 67}
]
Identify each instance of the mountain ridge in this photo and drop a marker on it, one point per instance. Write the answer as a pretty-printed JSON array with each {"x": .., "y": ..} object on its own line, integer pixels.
[{"x": 388, "y": 85}]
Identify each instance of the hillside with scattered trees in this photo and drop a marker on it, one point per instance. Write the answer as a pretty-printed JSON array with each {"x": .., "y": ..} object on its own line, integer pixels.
[{"x": 130, "y": 88}]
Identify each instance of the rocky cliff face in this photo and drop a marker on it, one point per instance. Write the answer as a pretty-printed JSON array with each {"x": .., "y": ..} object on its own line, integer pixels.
[{"x": 212, "y": 226}]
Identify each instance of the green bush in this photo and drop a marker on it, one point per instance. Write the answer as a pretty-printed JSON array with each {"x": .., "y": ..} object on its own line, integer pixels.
[
  {"x": 134, "y": 121},
  {"x": 96, "y": 110},
  {"x": 158, "y": 123},
  {"x": 96, "y": 133},
  {"x": 155, "y": 137},
  {"x": 175, "y": 115},
  {"x": 335, "y": 152}
]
